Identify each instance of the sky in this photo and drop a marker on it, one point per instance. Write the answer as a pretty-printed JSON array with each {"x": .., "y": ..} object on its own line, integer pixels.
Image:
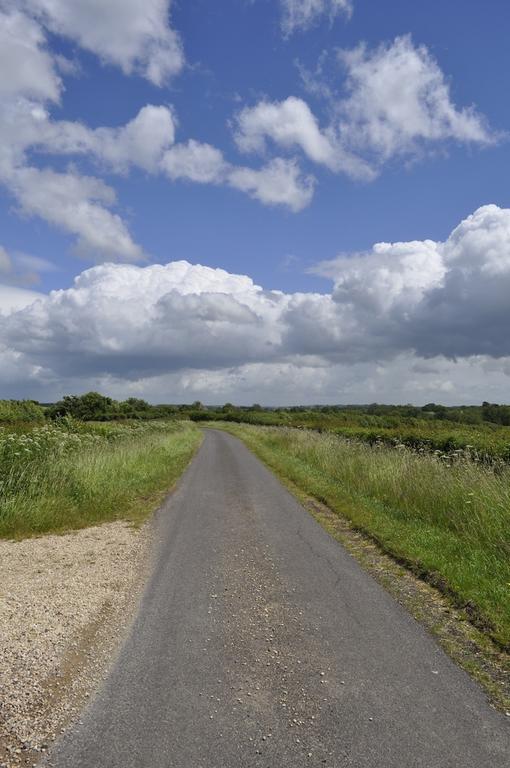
[{"x": 272, "y": 201}]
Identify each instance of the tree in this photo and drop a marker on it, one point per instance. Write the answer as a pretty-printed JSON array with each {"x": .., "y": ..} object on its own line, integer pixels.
[
  {"x": 135, "y": 404},
  {"x": 91, "y": 406}
]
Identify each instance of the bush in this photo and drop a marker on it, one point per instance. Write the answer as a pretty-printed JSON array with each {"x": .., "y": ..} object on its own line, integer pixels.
[{"x": 12, "y": 411}]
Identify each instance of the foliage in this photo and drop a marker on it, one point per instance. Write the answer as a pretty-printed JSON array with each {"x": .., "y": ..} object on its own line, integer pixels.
[
  {"x": 12, "y": 411},
  {"x": 89, "y": 407},
  {"x": 498, "y": 414},
  {"x": 93, "y": 406}
]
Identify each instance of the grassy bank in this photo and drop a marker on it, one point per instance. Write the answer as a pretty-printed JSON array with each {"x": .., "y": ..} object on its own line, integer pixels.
[
  {"x": 449, "y": 520},
  {"x": 54, "y": 478}
]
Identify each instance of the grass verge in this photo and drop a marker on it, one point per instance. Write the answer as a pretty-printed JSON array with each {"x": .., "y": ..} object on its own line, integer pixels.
[
  {"x": 449, "y": 523},
  {"x": 56, "y": 479}
]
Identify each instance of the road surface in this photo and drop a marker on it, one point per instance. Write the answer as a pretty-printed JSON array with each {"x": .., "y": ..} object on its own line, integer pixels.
[{"x": 261, "y": 642}]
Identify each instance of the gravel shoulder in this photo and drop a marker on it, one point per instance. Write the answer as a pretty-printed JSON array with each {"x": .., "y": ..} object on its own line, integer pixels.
[{"x": 65, "y": 603}]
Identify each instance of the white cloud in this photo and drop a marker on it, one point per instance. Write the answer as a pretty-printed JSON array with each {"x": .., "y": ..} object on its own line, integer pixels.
[
  {"x": 399, "y": 98},
  {"x": 415, "y": 321},
  {"x": 392, "y": 274},
  {"x": 77, "y": 204},
  {"x": 280, "y": 182},
  {"x": 466, "y": 381},
  {"x": 302, "y": 14},
  {"x": 141, "y": 142},
  {"x": 395, "y": 306},
  {"x": 26, "y": 66},
  {"x": 194, "y": 161},
  {"x": 80, "y": 204},
  {"x": 134, "y": 35},
  {"x": 398, "y": 103},
  {"x": 137, "y": 321},
  {"x": 448, "y": 298},
  {"x": 291, "y": 123},
  {"x": 147, "y": 142},
  {"x": 74, "y": 202}
]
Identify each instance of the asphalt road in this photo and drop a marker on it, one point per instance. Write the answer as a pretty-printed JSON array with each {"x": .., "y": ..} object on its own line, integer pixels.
[{"x": 261, "y": 642}]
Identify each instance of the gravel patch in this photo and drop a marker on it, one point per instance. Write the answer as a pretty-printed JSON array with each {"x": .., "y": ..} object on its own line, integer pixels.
[{"x": 65, "y": 602}]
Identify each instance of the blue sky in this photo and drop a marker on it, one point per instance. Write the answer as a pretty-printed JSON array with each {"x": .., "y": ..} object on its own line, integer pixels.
[{"x": 318, "y": 128}]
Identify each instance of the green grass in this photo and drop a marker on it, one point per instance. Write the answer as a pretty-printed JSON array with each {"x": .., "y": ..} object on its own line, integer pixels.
[
  {"x": 55, "y": 478},
  {"x": 449, "y": 520}
]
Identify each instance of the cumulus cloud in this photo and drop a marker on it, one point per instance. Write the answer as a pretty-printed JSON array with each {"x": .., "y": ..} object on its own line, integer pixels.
[
  {"x": 280, "y": 182},
  {"x": 415, "y": 301},
  {"x": 139, "y": 321},
  {"x": 148, "y": 142},
  {"x": 77, "y": 204},
  {"x": 291, "y": 123},
  {"x": 437, "y": 298},
  {"x": 26, "y": 67},
  {"x": 398, "y": 102},
  {"x": 141, "y": 142},
  {"x": 194, "y": 161},
  {"x": 302, "y": 14},
  {"x": 135, "y": 36},
  {"x": 398, "y": 98}
]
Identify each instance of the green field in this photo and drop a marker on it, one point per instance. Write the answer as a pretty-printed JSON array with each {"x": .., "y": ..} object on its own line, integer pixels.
[
  {"x": 448, "y": 520},
  {"x": 69, "y": 475},
  {"x": 445, "y": 431}
]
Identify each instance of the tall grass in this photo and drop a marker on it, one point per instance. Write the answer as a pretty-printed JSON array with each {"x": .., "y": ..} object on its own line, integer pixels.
[
  {"x": 448, "y": 518},
  {"x": 54, "y": 478}
]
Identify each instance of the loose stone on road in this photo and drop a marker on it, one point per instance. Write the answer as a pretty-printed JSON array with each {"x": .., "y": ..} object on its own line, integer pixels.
[{"x": 261, "y": 642}]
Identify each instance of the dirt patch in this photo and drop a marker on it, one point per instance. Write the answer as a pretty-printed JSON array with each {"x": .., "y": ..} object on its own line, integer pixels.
[
  {"x": 453, "y": 627},
  {"x": 65, "y": 602}
]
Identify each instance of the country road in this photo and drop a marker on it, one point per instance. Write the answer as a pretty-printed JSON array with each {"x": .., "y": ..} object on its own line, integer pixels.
[{"x": 261, "y": 642}]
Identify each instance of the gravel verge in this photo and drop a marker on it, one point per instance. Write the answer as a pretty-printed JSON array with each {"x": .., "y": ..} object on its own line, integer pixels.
[{"x": 65, "y": 602}]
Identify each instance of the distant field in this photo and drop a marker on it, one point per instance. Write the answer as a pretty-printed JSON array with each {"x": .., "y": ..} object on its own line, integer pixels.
[
  {"x": 67, "y": 475},
  {"x": 448, "y": 519},
  {"x": 484, "y": 441}
]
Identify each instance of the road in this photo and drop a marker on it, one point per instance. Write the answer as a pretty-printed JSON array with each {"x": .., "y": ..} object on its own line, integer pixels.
[{"x": 261, "y": 642}]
